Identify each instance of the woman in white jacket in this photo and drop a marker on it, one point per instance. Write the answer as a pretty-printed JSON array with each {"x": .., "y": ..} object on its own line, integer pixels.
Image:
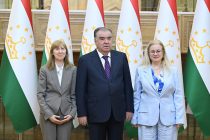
[{"x": 159, "y": 108}]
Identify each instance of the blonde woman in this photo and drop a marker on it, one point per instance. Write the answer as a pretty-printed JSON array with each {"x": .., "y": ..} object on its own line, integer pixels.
[
  {"x": 158, "y": 99},
  {"x": 56, "y": 94}
]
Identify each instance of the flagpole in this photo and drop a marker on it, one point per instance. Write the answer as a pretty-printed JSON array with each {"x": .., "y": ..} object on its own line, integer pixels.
[{"x": 20, "y": 136}]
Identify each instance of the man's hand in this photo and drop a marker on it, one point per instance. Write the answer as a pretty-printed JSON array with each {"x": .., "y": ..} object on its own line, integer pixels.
[
  {"x": 179, "y": 125},
  {"x": 136, "y": 125},
  {"x": 129, "y": 116},
  {"x": 82, "y": 120}
]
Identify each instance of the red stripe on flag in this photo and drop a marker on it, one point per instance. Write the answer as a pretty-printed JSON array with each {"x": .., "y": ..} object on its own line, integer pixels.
[
  {"x": 208, "y": 4},
  {"x": 136, "y": 8},
  {"x": 65, "y": 6},
  {"x": 101, "y": 8},
  {"x": 27, "y": 6},
  {"x": 172, "y": 4}
]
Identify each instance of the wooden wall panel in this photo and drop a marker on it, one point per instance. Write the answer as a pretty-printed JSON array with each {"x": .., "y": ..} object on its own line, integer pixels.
[{"x": 148, "y": 24}]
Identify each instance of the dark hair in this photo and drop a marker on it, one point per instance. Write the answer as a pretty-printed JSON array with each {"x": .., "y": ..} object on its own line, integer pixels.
[{"x": 101, "y": 29}]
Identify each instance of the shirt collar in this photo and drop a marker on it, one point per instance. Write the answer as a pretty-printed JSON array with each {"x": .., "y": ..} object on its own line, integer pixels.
[
  {"x": 58, "y": 68},
  {"x": 100, "y": 54}
]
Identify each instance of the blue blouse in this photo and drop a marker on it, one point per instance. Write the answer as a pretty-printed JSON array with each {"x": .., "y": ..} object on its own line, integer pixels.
[{"x": 158, "y": 81}]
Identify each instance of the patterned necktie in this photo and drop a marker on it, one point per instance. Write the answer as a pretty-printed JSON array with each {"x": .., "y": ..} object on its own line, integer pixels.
[{"x": 107, "y": 67}]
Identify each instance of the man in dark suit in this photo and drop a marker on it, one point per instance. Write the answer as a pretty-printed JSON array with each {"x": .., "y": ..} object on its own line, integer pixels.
[{"x": 104, "y": 93}]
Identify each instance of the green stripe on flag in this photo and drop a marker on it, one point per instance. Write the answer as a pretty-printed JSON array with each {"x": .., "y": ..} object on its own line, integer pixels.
[
  {"x": 130, "y": 130},
  {"x": 197, "y": 95},
  {"x": 14, "y": 100}
]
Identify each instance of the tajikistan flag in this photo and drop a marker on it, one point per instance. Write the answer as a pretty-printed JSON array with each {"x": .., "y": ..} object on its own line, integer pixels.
[
  {"x": 18, "y": 72},
  {"x": 58, "y": 28},
  {"x": 197, "y": 68},
  {"x": 94, "y": 18},
  {"x": 129, "y": 39},
  {"x": 167, "y": 32}
]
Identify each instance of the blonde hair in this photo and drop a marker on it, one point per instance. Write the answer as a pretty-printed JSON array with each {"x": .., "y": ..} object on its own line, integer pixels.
[
  {"x": 51, "y": 60},
  {"x": 147, "y": 61}
]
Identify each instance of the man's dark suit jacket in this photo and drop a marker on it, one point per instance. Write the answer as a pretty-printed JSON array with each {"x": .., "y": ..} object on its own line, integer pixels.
[{"x": 96, "y": 96}]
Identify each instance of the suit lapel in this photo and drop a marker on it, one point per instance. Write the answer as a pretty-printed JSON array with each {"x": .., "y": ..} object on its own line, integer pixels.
[
  {"x": 64, "y": 78},
  {"x": 55, "y": 79},
  {"x": 166, "y": 78},
  {"x": 98, "y": 63},
  {"x": 148, "y": 75},
  {"x": 113, "y": 63}
]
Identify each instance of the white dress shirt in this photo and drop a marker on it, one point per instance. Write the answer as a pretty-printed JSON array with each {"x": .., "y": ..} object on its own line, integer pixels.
[
  {"x": 59, "y": 70},
  {"x": 102, "y": 60}
]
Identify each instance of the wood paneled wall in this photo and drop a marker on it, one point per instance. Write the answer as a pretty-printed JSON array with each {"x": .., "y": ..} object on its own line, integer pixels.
[{"x": 148, "y": 24}]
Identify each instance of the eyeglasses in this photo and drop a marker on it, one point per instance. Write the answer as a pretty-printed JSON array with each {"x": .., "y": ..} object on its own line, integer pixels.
[{"x": 155, "y": 51}]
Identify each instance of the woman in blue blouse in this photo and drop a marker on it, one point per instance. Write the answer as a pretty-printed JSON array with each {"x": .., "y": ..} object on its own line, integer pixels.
[{"x": 159, "y": 108}]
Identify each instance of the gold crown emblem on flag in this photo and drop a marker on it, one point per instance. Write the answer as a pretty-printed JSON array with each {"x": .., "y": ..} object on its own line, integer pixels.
[
  {"x": 11, "y": 46},
  {"x": 48, "y": 44},
  {"x": 198, "y": 50},
  {"x": 87, "y": 47},
  {"x": 121, "y": 46}
]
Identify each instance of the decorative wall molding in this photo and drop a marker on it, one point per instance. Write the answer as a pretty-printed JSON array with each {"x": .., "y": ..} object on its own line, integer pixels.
[{"x": 77, "y": 17}]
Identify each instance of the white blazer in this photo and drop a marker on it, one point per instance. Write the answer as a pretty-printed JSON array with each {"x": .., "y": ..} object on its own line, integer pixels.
[{"x": 150, "y": 106}]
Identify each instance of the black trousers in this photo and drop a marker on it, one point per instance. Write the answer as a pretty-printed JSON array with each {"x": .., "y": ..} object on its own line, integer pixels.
[{"x": 109, "y": 130}]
